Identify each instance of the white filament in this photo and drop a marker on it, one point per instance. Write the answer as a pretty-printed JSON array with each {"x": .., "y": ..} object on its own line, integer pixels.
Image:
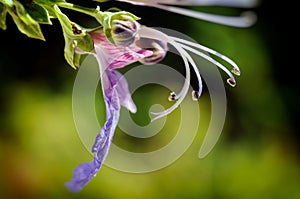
[
  {"x": 206, "y": 49},
  {"x": 208, "y": 58},
  {"x": 196, "y": 72},
  {"x": 154, "y": 34},
  {"x": 184, "y": 90}
]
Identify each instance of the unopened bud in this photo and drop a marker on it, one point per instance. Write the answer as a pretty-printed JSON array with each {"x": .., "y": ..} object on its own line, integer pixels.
[{"x": 121, "y": 29}]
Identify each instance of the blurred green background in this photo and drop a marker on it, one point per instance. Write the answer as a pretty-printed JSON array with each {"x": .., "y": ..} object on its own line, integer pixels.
[{"x": 257, "y": 155}]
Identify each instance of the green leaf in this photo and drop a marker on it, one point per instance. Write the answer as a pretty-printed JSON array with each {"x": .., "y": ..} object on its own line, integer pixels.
[
  {"x": 48, "y": 2},
  {"x": 25, "y": 23},
  {"x": 101, "y": 1},
  {"x": 7, "y": 2},
  {"x": 38, "y": 13},
  {"x": 3, "y": 13},
  {"x": 75, "y": 38},
  {"x": 50, "y": 11}
]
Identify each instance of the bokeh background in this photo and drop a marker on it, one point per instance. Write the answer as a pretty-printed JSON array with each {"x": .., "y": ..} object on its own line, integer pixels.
[{"x": 257, "y": 155}]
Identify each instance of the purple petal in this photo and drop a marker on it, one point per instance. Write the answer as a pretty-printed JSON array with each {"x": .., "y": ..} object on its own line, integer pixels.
[
  {"x": 117, "y": 56},
  {"x": 104, "y": 138},
  {"x": 122, "y": 89},
  {"x": 82, "y": 175},
  {"x": 86, "y": 171}
]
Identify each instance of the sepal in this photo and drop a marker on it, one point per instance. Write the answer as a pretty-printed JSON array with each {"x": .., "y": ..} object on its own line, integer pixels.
[{"x": 76, "y": 37}]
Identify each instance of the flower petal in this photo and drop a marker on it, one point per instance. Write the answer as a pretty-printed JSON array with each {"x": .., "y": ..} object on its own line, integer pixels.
[
  {"x": 122, "y": 89},
  {"x": 117, "y": 56},
  {"x": 86, "y": 171},
  {"x": 104, "y": 138},
  {"x": 82, "y": 175}
]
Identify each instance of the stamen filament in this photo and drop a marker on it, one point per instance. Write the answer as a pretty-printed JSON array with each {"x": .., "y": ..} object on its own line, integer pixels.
[
  {"x": 185, "y": 87},
  {"x": 195, "y": 68},
  {"x": 218, "y": 64},
  {"x": 154, "y": 34},
  {"x": 235, "y": 69}
]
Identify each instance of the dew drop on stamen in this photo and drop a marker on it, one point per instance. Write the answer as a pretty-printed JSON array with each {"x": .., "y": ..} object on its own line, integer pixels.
[
  {"x": 231, "y": 82},
  {"x": 195, "y": 95},
  {"x": 172, "y": 96}
]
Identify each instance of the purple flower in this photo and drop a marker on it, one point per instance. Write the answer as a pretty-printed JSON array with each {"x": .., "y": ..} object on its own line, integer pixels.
[
  {"x": 149, "y": 47},
  {"x": 116, "y": 94}
]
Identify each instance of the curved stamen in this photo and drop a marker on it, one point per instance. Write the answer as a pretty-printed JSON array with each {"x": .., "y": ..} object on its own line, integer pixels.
[
  {"x": 184, "y": 90},
  {"x": 246, "y": 19},
  {"x": 163, "y": 37},
  {"x": 235, "y": 69},
  {"x": 173, "y": 96},
  {"x": 218, "y": 64},
  {"x": 154, "y": 34},
  {"x": 195, "y": 68}
]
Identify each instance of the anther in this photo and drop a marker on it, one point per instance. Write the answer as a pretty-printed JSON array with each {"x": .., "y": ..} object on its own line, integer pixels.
[
  {"x": 195, "y": 95},
  {"x": 236, "y": 71},
  {"x": 231, "y": 82},
  {"x": 172, "y": 96}
]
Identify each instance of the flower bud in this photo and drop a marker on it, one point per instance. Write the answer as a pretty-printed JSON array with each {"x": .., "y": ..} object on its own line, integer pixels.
[
  {"x": 121, "y": 28},
  {"x": 159, "y": 49}
]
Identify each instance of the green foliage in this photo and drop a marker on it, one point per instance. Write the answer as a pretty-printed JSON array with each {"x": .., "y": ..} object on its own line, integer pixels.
[
  {"x": 48, "y": 5},
  {"x": 3, "y": 13},
  {"x": 101, "y": 1},
  {"x": 48, "y": 2},
  {"x": 25, "y": 23},
  {"x": 29, "y": 14},
  {"x": 7, "y": 2},
  {"x": 39, "y": 13}
]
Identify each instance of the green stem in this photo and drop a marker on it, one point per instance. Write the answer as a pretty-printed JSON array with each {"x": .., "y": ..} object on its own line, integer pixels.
[{"x": 96, "y": 13}]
